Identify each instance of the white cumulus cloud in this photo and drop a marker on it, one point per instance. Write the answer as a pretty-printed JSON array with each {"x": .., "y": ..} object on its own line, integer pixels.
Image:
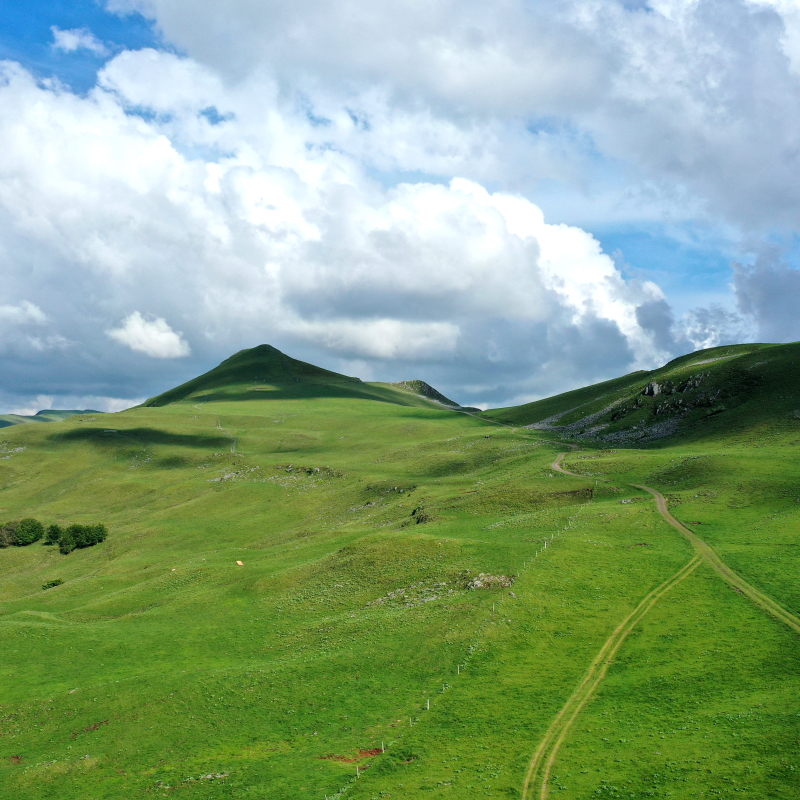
[
  {"x": 26, "y": 313},
  {"x": 374, "y": 184},
  {"x": 154, "y": 337},
  {"x": 77, "y": 39}
]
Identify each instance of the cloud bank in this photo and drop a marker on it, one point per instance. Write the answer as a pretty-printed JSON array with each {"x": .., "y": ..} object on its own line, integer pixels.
[{"x": 357, "y": 185}]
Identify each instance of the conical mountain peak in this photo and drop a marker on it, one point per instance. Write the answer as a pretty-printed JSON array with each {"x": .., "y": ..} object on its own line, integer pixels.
[{"x": 262, "y": 365}]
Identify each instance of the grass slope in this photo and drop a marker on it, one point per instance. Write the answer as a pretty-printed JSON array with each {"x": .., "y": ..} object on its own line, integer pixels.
[
  {"x": 362, "y": 513},
  {"x": 249, "y": 373},
  {"x": 699, "y": 395},
  {"x": 49, "y": 415}
]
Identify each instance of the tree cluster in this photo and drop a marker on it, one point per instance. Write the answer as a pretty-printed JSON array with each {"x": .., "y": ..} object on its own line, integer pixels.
[{"x": 20, "y": 533}]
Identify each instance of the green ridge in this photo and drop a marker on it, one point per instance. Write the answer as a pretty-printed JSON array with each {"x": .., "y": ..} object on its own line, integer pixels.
[
  {"x": 48, "y": 415},
  {"x": 248, "y": 374},
  {"x": 703, "y": 394}
]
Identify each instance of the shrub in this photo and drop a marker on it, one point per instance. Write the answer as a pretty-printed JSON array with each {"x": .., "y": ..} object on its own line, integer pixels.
[
  {"x": 53, "y": 534},
  {"x": 52, "y": 584},
  {"x": 21, "y": 532},
  {"x": 8, "y": 534},
  {"x": 99, "y": 533},
  {"x": 79, "y": 536},
  {"x": 66, "y": 542},
  {"x": 29, "y": 531},
  {"x": 78, "y": 533}
]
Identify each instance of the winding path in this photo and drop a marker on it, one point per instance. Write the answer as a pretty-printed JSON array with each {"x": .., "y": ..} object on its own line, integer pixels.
[
  {"x": 543, "y": 759},
  {"x": 719, "y": 566},
  {"x": 545, "y": 755}
]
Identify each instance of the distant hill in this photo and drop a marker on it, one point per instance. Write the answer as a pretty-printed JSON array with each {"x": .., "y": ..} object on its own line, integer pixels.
[
  {"x": 264, "y": 372},
  {"x": 704, "y": 393},
  {"x": 423, "y": 389},
  {"x": 48, "y": 415}
]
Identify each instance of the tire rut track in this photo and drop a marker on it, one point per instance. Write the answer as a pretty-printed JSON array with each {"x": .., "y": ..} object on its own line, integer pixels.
[
  {"x": 705, "y": 550},
  {"x": 543, "y": 759},
  {"x": 721, "y": 568}
]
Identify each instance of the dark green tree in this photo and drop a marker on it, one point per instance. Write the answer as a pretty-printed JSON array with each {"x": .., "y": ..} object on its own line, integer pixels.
[
  {"x": 97, "y": 534},
  {"x": 8, "y": 534},
  {"x": 66, "y": 542},
  {"x": 79, "y": 534},
  {"x": 26, "y": 531},
  {"x": 53, "y": 534}
]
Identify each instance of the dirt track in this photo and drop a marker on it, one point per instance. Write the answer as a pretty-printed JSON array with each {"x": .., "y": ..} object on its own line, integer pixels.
[
  {"x": 556, "y": 465},
  {"x": 545, "y": 755},
  {"x": 542, "y": 762},
  {"x": 704, "y": 551}
]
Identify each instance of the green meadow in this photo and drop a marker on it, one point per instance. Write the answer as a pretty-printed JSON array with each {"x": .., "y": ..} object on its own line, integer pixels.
[{"x": 357, "y": 651}]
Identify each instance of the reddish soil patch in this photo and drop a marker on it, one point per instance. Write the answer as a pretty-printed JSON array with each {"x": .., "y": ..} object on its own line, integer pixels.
[
  {"x": 15, "y": 759},
  {"x": 90, "y": 728},
  {"x": 376, "y": 751}
]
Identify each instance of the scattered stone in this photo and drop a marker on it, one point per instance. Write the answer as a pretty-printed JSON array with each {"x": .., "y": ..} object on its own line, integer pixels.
[
  {"x": 414, "y": 595},
  {"x": 652, "y": 389},
  {"x": 232, "y": 476},
  {"x": 484, "y": 581}
]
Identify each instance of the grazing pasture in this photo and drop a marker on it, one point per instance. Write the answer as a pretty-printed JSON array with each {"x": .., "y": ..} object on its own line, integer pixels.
[{"x": 316, "y": 587}]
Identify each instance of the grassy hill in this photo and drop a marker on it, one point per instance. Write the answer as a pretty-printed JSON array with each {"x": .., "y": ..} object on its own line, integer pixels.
[
  {"x": 260, "y": 369},
  {"x": 49, "y": 415},
  {"x": 370, "y": 645},
  {"x": 249, "y": 374},
  {"x": 699, "y": 395}
]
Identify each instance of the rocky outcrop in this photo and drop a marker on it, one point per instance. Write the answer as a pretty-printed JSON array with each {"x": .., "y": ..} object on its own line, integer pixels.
[
  {"x": 652, "y": 389},
  {"x": 666, "y": 401}
]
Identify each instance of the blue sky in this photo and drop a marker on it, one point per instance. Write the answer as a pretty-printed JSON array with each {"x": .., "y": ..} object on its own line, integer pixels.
[
  {"x": 686, "y": 262},
  {"x": 395, "y": 192},
  {"x": 26, "y": 36}
]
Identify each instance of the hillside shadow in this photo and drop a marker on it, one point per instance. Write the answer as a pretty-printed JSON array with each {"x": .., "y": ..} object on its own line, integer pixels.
[{"x": 105, "y": 437}]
